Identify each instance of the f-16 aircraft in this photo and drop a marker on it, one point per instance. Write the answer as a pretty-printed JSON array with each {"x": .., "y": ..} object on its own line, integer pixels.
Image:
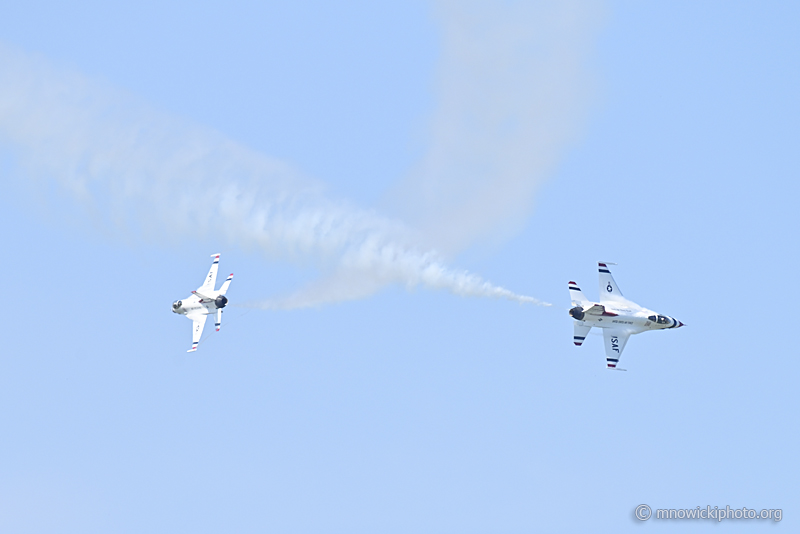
[
  {"x": 204, "y": 302},
  {"x": 617, "y": 316}
]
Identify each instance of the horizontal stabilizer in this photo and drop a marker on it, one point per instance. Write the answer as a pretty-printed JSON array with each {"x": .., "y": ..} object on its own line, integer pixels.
[{"x": 580, "y": 333}]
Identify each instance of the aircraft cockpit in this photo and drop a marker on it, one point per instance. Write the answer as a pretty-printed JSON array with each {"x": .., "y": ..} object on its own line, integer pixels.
[
  {"x": 175, "y": 305},
  {"x": 660, "y": 319}
]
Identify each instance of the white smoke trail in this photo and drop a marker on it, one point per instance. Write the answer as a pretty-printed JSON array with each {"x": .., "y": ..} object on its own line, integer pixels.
[
  {"x": 368, "y": 270},
  {"x": 135, "y": 168},
  {"x": 513, "y": 90}
]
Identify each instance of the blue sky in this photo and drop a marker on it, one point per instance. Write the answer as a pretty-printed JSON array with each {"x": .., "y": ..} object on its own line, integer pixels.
[{"x": 397, "y": 409}]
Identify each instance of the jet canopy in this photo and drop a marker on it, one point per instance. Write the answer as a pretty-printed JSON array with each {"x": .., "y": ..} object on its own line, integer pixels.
[
  {"x": 177, "y": 304},
  {"x": 660, "y": 319}
]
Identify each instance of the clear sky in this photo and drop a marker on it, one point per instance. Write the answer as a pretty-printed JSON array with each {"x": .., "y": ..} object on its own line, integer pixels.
[{"x": 376, "y": 153}]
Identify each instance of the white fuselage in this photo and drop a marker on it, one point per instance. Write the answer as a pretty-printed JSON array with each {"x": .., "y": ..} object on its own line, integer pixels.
[
  {"x": 627, "y": 316},
  {"x": 204, "y": 302},
  {"x": 195, "y": 305},
  {"x": 617, "y": 316}
]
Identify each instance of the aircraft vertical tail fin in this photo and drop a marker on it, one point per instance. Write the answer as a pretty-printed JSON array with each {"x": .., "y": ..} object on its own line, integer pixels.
[
  {"x": 575, "y": 293},
  {"x": 226, "y": 284}
]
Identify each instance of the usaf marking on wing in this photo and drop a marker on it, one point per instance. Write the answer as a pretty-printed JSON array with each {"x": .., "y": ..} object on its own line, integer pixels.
[
  {"x": 204, "y": 302},
  {"x": 623, "y": 318}
]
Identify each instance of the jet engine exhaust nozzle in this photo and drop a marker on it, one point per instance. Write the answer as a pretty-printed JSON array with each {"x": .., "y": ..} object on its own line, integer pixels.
[
  {"x": 577, "y": 313},
  {"x": 221, "y": 301}
]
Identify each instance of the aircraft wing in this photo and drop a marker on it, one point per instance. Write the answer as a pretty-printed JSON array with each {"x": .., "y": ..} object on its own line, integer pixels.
[
  {"x": 609, "y": 291},
  {"x": 198, "y": 322},
  {"x": 615, "y": 343},
  {"x": 211, "y": 278}
]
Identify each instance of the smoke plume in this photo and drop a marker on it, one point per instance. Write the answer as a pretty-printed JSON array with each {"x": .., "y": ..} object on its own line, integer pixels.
[
  {"x": 513, "y": 90},
  {"x": 510, "y": 90},
  {"x": 145, "y": 172}
]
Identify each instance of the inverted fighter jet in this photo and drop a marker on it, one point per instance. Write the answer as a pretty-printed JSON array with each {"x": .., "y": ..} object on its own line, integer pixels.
[
  {"x": 616, "y": 315},
  {"x": 204, "y": 302}
]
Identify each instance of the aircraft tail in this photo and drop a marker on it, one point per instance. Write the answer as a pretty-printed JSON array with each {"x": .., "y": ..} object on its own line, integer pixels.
[
  {"x": 225, "y": 284},
  {"x": 576, "y": 295},
  {"x": 580, "y": 333}
]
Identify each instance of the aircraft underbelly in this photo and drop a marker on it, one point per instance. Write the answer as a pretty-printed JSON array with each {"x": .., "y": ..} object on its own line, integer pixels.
[{"x": 615, "y": 321}]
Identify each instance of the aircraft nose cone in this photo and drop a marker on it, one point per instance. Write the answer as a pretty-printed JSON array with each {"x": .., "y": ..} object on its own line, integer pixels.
[{"x": 680, "y": 324}]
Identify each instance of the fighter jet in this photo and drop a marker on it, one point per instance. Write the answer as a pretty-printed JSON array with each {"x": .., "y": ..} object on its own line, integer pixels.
[
  {"x": 204, "y": 302},
  {"x": 617, "y": 316}
]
